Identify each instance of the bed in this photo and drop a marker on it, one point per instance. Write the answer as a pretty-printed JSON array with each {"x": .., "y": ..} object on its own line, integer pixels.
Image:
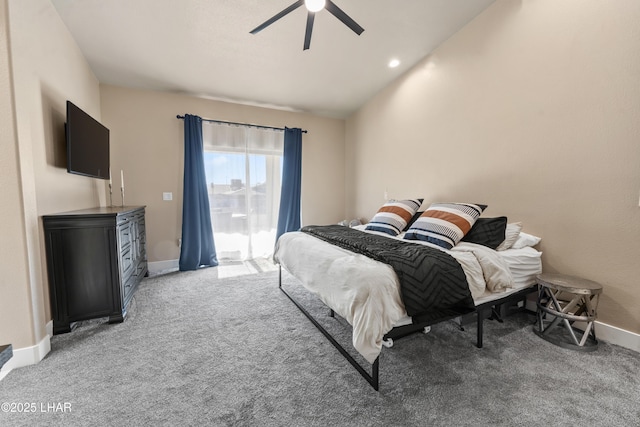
[{"x": 368, "y": 293}]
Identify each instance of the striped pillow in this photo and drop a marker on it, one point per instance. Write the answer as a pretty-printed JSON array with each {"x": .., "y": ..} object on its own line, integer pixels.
[
  {"x": 393, "y": 217},
  {"x": 445, "y": 224}
]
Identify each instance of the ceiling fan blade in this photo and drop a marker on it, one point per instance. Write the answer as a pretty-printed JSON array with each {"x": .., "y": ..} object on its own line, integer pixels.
[
  {"x": 270, "y": 21},
  {"x": 346, "y": 19},
  {"x": 307, "y": 35}
]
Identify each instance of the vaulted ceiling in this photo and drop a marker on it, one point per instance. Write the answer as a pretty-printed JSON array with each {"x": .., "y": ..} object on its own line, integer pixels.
[{"x": 204, "y": 48}]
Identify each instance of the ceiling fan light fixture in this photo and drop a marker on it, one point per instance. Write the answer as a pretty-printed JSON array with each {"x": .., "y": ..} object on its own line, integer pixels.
[{"x": 314, "y": 5}]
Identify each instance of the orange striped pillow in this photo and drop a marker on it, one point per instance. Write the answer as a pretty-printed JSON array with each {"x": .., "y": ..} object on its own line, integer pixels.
[
  {"x": 445, "y": 224},
  {"x": 393, "y": 217}
]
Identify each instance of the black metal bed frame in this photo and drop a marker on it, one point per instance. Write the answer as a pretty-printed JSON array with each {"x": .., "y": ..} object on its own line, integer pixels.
[{"x": 402, "y": 331}]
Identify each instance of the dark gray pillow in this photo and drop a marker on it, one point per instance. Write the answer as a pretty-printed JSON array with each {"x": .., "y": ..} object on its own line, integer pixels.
[
  {"x": 488, "y": 232},
  {"x": 413, "y": 219}
]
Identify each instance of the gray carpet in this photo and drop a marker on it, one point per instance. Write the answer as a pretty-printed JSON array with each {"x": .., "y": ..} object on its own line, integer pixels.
[{"x": 199, "y": 350}]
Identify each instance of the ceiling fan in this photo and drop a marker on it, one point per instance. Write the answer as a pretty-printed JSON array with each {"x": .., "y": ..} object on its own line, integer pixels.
[{"x": 313, "y": 6}]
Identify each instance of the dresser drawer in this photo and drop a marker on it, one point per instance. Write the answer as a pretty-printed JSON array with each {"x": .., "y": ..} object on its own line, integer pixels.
[
  {"x": 126, "y": 263},
  {"x": 125, "y": 236},
  {"x": 128, "y": 287}
]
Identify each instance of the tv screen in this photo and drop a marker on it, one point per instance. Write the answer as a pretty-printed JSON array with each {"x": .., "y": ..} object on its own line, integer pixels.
[{"x": 87, "y": 144}]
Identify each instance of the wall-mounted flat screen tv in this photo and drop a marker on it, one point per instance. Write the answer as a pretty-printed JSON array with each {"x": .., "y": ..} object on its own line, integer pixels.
[{"x": 87, "y": 144}]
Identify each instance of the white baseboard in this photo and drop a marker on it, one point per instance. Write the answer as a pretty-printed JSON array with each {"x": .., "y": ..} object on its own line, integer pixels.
[
  {"x": 29, "y": 355},
  {"x": 615, "y": 335},
  {"x": 158, "y": 267}
]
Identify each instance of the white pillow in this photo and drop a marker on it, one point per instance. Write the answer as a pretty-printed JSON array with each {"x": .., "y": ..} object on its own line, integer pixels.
[
  {"x": 525, "y": 240},
  {"x": 511, "y": 235}
]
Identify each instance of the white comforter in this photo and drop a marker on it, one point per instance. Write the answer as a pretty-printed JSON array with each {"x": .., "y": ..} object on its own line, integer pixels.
[{"x": 366, "y": 292}]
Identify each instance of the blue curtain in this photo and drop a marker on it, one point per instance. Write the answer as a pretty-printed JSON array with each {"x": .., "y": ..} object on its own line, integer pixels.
[
  {"x": 289, "y": 215},
  {"x": 198, "y": 248}
]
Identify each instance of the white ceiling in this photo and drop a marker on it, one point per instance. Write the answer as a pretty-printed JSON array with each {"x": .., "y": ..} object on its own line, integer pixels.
[{"x": 203, "y": 47}]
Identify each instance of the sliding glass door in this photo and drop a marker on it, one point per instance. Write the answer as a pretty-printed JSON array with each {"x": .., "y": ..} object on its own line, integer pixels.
[{"x": 243, "y": 168}]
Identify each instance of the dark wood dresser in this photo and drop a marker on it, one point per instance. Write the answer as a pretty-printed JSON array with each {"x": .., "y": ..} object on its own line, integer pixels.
[
  {"x": 6, "y": 353},
  {"x": 95, "y": 260}
]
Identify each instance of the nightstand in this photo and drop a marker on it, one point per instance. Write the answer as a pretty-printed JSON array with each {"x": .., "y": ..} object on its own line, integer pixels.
[{"x": 564, "y": 300}]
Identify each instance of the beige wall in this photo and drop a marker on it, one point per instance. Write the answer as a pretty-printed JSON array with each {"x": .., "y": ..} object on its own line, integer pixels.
[
  {"x": 533, "y": 109},
  {"x": 47, "y": 69},
  {"x": 16, "y": 322},
  {"x": 147, "y": 144}
]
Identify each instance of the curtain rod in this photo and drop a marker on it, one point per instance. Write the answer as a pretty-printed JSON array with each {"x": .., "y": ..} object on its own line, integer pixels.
[{"x": 238, "y": 124}]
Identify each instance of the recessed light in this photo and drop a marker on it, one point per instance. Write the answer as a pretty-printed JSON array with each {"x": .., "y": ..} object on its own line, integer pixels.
[{"x": 394, "y": 63}]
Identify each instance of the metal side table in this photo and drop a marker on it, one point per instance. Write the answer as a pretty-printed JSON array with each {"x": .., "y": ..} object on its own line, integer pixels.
[{"x": 567, "y": 299}]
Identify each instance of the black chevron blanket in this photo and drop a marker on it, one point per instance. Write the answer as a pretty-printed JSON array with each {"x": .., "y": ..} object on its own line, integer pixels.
[{"x": 433, "y": 285}]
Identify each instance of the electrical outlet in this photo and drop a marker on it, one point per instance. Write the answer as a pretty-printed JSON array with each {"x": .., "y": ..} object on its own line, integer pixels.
[{"x": 167, "y": 196}]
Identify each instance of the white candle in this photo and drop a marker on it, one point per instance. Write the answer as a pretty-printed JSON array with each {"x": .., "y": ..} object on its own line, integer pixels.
[
  {"x": 109, "y": 177},
  {"x": 121, "y": 179}
]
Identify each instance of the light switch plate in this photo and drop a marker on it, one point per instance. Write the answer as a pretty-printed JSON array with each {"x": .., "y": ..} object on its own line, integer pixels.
[{"x": 167, "y": 196}]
